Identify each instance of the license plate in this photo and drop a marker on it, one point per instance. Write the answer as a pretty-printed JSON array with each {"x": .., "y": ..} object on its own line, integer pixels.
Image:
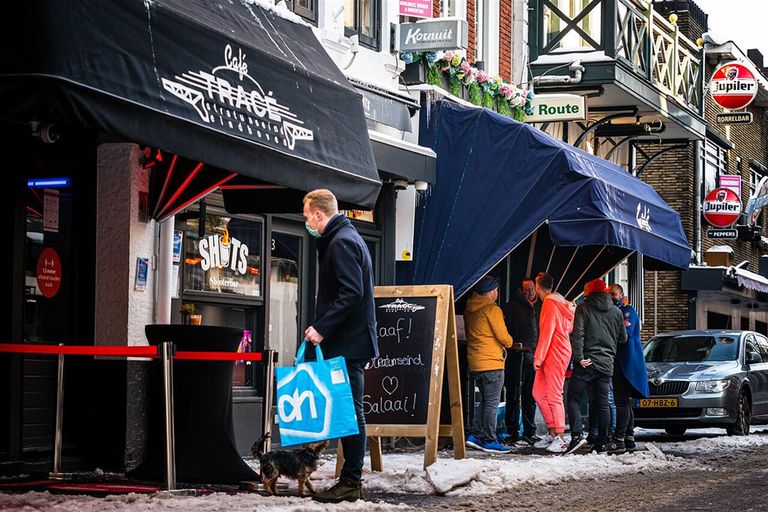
[{"x": 658, "y": 402}]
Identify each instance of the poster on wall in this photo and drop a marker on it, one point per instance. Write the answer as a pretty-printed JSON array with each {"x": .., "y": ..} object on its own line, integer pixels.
[
  {"x": 416, "y": 8},
  {"x": 177, "y": 235},
  {"x": 142, "y": 271},
  {"x": 51, "y": 210},
  {"x": 49, "y": 272}
]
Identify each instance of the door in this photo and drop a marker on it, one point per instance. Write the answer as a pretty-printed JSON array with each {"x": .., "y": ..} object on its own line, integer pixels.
[
  {"x": 758, "y": 375},
  {"x": 287, "y": 289},
  {"x": 762, "y": 347}
]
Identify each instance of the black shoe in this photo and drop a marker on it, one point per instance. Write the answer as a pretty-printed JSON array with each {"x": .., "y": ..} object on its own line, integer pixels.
[
  {"x": 530, "y": 440},
  {"x": 616, "y": 447},
  {"x": 344, "y": 490},
  {"x": 599, "y": 448},
  {"x": 577, "y": 442},
  {"x": 511, "y": 440},
  {"x": 629, "y": 443},
  {"x": 591, "y": 442}
]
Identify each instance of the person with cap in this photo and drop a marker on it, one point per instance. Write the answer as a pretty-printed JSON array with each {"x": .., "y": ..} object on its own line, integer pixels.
[
  {"x": 550, "y": 361},
  {"x": 487, "y": 341},
  {"x": 598, "y": 328},
  {"x": 630, "y": 377}
]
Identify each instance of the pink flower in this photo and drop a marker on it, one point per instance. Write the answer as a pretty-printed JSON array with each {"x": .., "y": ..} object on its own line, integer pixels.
[
  {"x": 465, "y": 67},
  {"x": 519, "y": 101},
  {"x": 506, "y": 91},
  {"x": 482, "y": 77},
  {"x": 448, "y": 56}
]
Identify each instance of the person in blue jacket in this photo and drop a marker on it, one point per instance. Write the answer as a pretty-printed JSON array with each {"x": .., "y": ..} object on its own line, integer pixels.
[{"x": 630, "y": 376}]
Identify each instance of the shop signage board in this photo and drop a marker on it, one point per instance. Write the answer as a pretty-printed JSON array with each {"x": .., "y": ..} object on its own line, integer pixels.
[
  {"x": 416, "y": 8},
  {"x": 49, "y": 272},
  {"x": 734, "y": 118},
  {"x": 722, "y": 234},
  {"x": 733, "y": 86},
  {"x": 223, "y": 251},
  {"x": 732, "y": 182},
  {"x": 418, "y": 356},
  {"x": 757, "y": 201},
  {"x": 557, "y": 107},
  {"x": 432, "y": 35},
  {"x": 721, "y": 207}
]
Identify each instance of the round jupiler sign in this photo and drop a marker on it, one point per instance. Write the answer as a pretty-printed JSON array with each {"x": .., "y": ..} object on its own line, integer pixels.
[
  {"x": 722, "y": 207},
  {"x": 733, "y": 86}
]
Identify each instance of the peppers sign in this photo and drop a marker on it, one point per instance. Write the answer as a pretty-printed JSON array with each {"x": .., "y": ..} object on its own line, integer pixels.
[
  {"x": 733, "y": 86},
  {"x": 722, "y": 207}
]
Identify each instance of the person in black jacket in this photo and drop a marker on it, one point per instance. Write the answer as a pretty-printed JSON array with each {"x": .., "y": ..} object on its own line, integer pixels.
[
  {"x": 345, "y": 319},
  {"x": 598, "y": 329},
  {"x": 521, "y": 315}
]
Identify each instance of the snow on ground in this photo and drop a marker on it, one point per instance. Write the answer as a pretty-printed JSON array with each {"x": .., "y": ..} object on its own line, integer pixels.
[{"x": 718, "y": 444}]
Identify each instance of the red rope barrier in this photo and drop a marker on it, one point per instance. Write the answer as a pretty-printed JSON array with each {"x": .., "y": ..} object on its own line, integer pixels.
[{"x": 117, "y": 351}]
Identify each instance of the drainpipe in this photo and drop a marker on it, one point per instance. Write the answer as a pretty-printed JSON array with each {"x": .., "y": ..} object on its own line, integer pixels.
[
  {"x": 164, "y": 272},
  {"x": 697, "y": 179},
  {"x": 575, "y": 67}
]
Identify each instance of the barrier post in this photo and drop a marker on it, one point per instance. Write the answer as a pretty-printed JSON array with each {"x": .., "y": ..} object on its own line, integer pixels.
[
  {"x": 166, "y": 353},
  {"x": 269, "y": 396},
  {"x": 58, "y": 437}
]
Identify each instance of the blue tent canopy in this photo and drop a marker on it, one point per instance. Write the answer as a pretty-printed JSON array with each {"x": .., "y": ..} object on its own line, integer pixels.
[{"x": 505, "y": 188}]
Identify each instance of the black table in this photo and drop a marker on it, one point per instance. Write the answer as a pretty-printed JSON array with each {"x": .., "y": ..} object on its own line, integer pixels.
[{"x": 202, "y": 391}]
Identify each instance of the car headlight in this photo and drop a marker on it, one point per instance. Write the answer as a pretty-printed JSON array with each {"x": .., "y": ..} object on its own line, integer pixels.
[{"x": 712, "y": 386}]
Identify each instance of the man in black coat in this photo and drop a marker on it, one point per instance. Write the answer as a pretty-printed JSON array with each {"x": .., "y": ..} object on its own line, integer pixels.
[
  {"x": 345, "y": 319},
  {"x": 521, "y": 314}
]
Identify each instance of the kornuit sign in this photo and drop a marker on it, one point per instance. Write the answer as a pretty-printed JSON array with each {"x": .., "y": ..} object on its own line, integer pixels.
[{"x": 432, "y": 35}]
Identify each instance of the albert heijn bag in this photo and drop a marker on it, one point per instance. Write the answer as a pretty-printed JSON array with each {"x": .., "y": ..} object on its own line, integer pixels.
[{"x": 314, "y": 400}]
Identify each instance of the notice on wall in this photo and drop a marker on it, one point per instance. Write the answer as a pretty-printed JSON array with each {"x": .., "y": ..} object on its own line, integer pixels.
[
  {"x": 177, "y": 237},
  {"x": 142, "y": 272},
  {"x": 49, "y": 272},
  {"x": 51, "y": 210},
  {"x": 416, "y": 8}
]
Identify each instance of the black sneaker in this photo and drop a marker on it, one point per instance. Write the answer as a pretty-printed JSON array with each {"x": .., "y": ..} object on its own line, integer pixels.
[
  {"x": 577, "y": 442},
  {"x": 599, "y": 448},
  {"x": 530, "y": 440},
  {"x": 629, "y": 443},
  {"x": 616, "y": 447},
  {"x": 510, "y": 440},
  {"x": 591, "y": 442}
]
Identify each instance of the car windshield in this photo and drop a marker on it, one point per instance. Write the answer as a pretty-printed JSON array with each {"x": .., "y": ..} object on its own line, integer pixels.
[{"x": 692, "y": 348}]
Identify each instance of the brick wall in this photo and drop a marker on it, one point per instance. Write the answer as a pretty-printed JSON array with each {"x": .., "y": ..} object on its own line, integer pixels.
[
  {"x": 435, "y": 8},
  {"x": 505, "y": 39},
  {"x": 672, "y": 176},
  {"x": 471, "y": 35}
]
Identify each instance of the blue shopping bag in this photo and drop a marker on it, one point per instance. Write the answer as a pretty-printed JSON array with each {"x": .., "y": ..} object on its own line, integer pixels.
[{"x": 314, "y": 400}]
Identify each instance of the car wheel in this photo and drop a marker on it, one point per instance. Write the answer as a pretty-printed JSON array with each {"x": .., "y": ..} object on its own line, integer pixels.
[
  {"x": 743, "y": 416},
  {"x": 675, "y": 430}
]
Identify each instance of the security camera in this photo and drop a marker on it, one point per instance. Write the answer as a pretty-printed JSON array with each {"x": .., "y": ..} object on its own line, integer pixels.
[
  {"x": 421, "y": 185},
  {"x": 49, "y": 133}
]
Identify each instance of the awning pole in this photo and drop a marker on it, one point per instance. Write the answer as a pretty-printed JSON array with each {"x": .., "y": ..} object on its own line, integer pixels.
[
  {"x": 585, "y": 270},
  {"x": 568, "y": 267},
  {"x": 551, "y": 255},
  {"x": 531, "y": 252}
]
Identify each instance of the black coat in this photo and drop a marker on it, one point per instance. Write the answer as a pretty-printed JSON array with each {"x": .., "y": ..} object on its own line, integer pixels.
[
  {"x": 598, "y": 329},
  {"x": 345, "y": 314},
  {"x": 522, "y": 319}
]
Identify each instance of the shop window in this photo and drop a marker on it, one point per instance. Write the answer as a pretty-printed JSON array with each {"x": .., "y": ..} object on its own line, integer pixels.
[
  {"x": 715, "y": 164},
  {"x": 226, "y": 260},
  {"x": 718, "y": 321},
  {"x": 561, "y": 32},
  {"x": 307, "y": 9},
  {"x": 363, "y": 17},
  {"x": 744, "y": 323},
  {"x": 482, "y": 30},
  {"x": 761, "y": 327}
]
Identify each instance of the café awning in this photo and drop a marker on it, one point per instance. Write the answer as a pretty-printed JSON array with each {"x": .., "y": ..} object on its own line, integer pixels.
[
  {"x": 505, "y": 187},
  {"x": 230, "y": 83}
]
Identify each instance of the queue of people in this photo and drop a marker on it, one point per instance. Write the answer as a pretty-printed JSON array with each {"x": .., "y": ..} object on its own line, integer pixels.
[{"x": 527, "y": 346}]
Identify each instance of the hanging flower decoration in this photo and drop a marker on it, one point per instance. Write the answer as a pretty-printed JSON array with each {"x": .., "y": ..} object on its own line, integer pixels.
[{"x": 490, "y": 92}]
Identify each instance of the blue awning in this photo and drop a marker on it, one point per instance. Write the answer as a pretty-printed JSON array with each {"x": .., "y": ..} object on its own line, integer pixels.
[{"x": 505, "y": 187}]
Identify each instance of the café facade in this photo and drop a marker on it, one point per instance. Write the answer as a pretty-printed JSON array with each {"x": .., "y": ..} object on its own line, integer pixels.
[{"x": 158, "y": 178}]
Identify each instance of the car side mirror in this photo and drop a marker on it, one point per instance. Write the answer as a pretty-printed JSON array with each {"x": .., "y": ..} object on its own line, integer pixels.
[{"x": 754, "y": 358}]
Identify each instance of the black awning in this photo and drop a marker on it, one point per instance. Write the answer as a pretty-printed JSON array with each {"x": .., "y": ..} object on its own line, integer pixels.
[
  {"x": 225, "y": 82},
  {"x": 402, "y": 160}
]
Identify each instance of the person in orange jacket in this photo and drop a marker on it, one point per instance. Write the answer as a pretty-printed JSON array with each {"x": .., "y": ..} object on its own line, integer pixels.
[
  {"x": 487, "y": 341},
  {"x": 550, "y": 361}
]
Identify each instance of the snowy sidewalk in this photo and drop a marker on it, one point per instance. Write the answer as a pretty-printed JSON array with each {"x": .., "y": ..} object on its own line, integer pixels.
[{"x": 479, "y": 475}]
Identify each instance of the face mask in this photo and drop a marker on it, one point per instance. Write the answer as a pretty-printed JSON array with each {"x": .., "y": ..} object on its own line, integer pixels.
[{"x": 315, "y": 233}]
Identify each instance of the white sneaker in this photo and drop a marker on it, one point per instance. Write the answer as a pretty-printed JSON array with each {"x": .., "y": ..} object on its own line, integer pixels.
[
  {"x": 558, "y": 446},
  {"x": 545, "y": 442}
]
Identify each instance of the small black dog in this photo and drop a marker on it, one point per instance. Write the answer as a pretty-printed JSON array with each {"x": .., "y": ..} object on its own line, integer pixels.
[{"x": 296, "y": 464}]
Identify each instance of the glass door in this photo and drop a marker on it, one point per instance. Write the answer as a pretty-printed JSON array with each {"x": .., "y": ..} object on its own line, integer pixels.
[{"x": 286, "y": 281}]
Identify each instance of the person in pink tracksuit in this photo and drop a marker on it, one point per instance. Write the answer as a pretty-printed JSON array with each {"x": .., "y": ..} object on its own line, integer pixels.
[{"x": 550, "y": 361}]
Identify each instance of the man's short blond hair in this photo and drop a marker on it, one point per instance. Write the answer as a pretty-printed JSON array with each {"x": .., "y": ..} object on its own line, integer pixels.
[{"x": 322, "y": 200}]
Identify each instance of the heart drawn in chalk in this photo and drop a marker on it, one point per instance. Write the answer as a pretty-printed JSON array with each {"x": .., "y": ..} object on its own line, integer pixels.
[{"x": 389, "y": 384}]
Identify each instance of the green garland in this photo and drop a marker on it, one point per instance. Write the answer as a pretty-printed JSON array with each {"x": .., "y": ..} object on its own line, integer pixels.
[{"x": 475, "y": 95}]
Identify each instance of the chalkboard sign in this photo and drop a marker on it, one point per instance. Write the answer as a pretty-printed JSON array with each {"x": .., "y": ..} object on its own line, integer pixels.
[
  {"x": 397, "y": 382},
  {"x": 416, "y": 372}
]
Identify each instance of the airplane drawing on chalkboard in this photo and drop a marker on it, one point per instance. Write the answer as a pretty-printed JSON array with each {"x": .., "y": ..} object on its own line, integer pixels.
[{"x": 400, "y": 306}]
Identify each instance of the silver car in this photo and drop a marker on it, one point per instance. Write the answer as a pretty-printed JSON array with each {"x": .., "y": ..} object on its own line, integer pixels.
[{"x": 705, "y": 379}]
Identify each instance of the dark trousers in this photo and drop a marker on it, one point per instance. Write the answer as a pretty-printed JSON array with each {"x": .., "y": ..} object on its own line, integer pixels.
[
  {"x": 354, "y": 446},
  {"x": 484, "y": 421},
  {"x": 597, "y": 387},
  {"x": 518, "y": 379},
  {"x": 625, "y": 417}
]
